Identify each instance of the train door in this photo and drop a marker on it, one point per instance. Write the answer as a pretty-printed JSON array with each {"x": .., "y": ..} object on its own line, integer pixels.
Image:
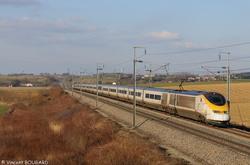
[
  {"x": 198, "y": 104},
  {"x": 172, "y": 104},
  {"x": 172, "y": 100},
  {"x": 201, "y": 108},
  {"x": 164, "y": 100}
]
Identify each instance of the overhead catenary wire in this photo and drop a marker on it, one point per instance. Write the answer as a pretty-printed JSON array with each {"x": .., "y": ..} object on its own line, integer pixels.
[
  {"x": 205, "y": 62},
  {"x": 198, "y": 50},
  {"x": 186, "y": 51}
]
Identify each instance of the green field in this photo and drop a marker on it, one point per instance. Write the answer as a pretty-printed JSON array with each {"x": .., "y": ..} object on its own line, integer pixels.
[{"x": 3, "y": 108}]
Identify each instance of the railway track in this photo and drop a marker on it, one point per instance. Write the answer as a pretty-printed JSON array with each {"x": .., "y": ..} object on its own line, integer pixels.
[
  {"x": 233, "y": 139},
  {"x": 235, "y": 132}
]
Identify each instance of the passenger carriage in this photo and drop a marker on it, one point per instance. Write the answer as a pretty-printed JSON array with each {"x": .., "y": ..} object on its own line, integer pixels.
[
  {"x": 113, "y": 91},
  {"x": 123, "y": 92},
  {"x": 105, "y": 90},
  {"x": 209, "y": 107},
  {"x": 153, "y": 97},
  {"x": 139, "y": 93}
]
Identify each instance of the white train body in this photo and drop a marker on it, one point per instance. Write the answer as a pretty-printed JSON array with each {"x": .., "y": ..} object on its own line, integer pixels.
[{"x": 209, "y": 107}]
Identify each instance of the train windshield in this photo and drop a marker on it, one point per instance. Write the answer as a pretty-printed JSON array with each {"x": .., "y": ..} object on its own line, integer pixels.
[{"x": 215, "y": 98}]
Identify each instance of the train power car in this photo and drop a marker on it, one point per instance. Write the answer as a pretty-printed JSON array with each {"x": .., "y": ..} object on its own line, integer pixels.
[{"x": 208, "y": 107}]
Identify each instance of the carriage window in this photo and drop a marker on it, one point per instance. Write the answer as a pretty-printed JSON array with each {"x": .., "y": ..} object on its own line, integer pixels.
[
  {"x": 157, "y": 97},
  {"x": 138, "y": 94},
  {"x": 147, "y": 95},
  {"x": 122, "y": 91},
  {"x": 152, "y": 96}
]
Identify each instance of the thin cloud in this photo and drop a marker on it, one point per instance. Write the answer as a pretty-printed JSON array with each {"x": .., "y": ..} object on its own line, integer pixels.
[
  {"x": 45, "y": 25},
  {"x": 44, "y": 31},
  {"x": 151, "y": 37},
  {"x": 78, "y": 20},
  {"x": 186, "y": 44},
  {"x": 164, "y": 35},
  {"x": 16, "y": 3}
]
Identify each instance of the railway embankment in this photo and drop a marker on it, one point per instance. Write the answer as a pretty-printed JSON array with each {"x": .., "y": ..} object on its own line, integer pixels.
[
  {"x": 196, "y": 143},
  {"x": 50, "y": 127}
]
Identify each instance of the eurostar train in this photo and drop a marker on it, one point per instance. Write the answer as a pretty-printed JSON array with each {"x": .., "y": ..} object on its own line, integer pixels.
[{"x": 207, "y": 107}]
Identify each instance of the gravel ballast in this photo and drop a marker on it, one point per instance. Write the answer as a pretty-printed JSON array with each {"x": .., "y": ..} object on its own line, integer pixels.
[{"x": 178, "y": 143}]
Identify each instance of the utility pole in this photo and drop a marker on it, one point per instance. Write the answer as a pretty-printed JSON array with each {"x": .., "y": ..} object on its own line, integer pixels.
[
  {"x": 72, "y": 84},
  {"x": 150, "y": 76},
  {"x": 121, "y": 71},
  {"x": 68, "y": 82},
  {"x": 81, "y": 81},
  {"x": 134, "y": 98},
  {"x": 99, "y": 67},
  {"x": 228, "y": 75}
]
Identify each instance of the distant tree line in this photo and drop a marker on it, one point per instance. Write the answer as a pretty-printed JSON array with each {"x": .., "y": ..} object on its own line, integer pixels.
[
  {"x": 125, "y": 79},
  {"x": 245, "y": 75},
  {"x": 35, "y": 81},
  {"x": 21, "y": 74}
]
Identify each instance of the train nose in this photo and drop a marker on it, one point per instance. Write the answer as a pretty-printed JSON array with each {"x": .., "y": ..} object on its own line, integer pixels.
[{"x": 222, "y": 117}]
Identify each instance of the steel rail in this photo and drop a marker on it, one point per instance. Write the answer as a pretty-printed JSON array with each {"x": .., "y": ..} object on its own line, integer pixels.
[{"x": 225, "y": 142}]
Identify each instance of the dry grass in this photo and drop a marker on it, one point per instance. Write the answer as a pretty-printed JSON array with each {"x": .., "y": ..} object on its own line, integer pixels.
[
  {"x": 22, "y": 95},
  {"x": 52, "y": 126},
  {"x": 131, "y": 149},
  {"x": 240, "y": 99}
]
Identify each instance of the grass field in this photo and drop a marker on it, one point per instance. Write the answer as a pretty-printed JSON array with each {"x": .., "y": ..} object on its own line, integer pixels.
[
  {"x": 34, "y": 79},
  {"x": 240, "y": 98},
  {"x": 22, "y": 95}
]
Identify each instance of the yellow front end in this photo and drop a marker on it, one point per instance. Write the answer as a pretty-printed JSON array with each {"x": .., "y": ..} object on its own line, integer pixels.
[{"x": 217, "y": 114}]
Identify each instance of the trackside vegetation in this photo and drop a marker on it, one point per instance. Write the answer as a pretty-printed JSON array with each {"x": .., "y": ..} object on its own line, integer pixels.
[
  {"x": 3, "y": 108},
  {"x": 50, "y": 125}
]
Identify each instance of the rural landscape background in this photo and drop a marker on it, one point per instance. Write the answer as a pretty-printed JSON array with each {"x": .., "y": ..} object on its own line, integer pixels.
[
  {"x": 48, "y": 125},
  {"x": 44, "y": 122},
  {"x": 48, "y": 46},
  {"x": 239, "y": 88}
]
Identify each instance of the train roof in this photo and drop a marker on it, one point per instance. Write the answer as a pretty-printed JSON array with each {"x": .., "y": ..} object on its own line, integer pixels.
[
  {"x": 192, "y": 92},
  {"x": 188, "y": 92}
]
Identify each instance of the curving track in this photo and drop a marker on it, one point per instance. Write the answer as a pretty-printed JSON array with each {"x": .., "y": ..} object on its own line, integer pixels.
[
  {"x": 233, "y": 139},
  {"x": 195, "y": 142}
]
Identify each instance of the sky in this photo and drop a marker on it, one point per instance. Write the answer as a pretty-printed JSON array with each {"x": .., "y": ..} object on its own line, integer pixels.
[{"x": 57, "y": 36}]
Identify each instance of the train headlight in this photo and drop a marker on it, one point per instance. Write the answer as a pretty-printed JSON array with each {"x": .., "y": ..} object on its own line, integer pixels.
[
  {"x": 226, "y": 112},
  {"x": 216, "y": 111}
]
